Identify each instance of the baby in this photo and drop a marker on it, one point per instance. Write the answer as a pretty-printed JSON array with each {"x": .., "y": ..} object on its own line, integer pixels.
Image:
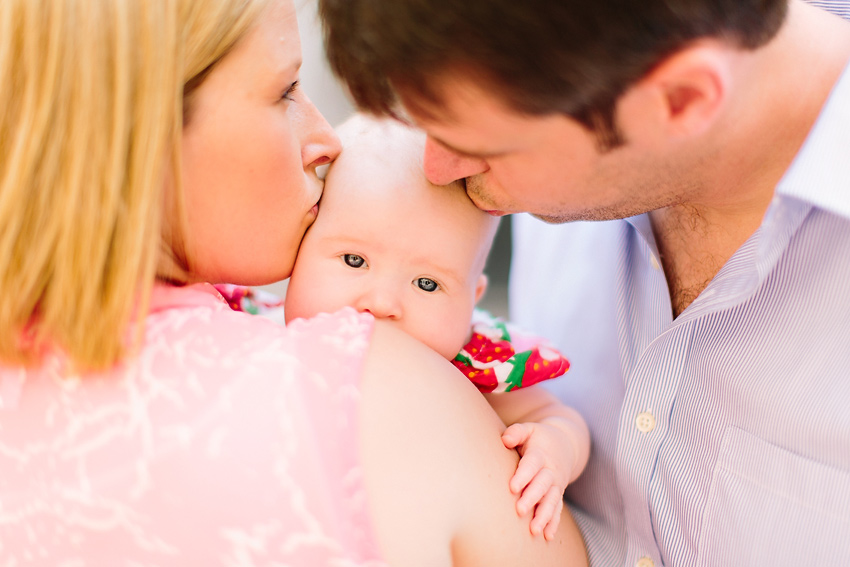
[{"x": 388, "y": 242}]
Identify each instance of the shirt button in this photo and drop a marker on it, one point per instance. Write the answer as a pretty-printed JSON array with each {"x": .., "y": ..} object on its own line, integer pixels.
[
  {"x": 645, "y": 562},
  {"x": 645, "y": 423}
]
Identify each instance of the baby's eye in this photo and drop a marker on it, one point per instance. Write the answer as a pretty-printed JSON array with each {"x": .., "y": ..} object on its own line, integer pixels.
[
  {"x": 427, "y": 284},
  {"x": 353, "y": 260}
]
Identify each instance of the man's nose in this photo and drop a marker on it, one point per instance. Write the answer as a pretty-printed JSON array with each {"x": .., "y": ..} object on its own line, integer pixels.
[{"x": 442, "y": 166}]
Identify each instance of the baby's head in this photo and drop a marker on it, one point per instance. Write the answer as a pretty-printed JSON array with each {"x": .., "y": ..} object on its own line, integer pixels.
[{"x": 389, "y": 242}]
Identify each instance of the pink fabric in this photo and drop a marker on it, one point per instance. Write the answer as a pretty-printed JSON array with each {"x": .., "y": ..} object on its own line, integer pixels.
[{"x": 229, "y": 440}]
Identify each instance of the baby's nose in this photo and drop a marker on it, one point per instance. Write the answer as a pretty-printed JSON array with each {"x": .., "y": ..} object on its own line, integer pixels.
[{"x": 380, "y": 303}]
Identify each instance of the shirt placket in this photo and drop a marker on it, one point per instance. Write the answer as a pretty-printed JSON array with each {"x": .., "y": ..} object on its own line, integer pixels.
[
  {"x": 653, "y": 368},
  {"x": 644, "y": 425}
]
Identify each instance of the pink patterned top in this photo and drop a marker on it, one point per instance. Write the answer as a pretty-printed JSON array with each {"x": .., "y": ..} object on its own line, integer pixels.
[{"x": 229, "y": 440}]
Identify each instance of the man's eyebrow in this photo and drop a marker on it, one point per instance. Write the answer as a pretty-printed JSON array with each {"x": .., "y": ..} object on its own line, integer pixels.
[{"x": 465, "y": 153}]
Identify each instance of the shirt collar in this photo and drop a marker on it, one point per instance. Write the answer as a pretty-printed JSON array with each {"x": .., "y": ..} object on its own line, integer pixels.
[
  {"x": 820, "y": 174},
  {"x": 167, "y": 296}
]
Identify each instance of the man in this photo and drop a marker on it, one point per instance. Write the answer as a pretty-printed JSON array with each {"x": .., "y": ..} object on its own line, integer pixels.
[{"x": 709, "y": 328}]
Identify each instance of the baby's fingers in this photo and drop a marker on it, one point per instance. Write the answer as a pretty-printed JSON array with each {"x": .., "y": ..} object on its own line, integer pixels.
[
  {"x": 552, "y": 527},
  {"x": 545, "y": 513},
  {"x": 516, "y": 435},
  {"x": 529, "y": 465},
  {"x": 534, "y": 492}
]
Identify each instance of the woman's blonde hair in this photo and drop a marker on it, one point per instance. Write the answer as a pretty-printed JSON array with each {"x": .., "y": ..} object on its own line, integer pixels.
[{"x": 91, "y": 112}]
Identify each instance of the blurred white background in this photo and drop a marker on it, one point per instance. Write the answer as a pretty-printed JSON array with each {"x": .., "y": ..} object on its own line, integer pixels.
[{"x": 316, "y": 78}]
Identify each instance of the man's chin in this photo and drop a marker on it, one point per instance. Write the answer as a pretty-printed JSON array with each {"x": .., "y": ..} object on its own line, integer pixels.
[{"x": 548, "y": 219}]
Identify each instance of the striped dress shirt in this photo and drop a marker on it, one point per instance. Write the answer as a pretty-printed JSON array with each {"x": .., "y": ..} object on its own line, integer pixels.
[
  {"x": 720, "y": 438},
  {"x": 837, "y": 7}
]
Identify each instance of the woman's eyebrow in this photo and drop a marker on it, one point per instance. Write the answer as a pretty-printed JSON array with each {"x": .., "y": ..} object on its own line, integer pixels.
[{"x": 285, "y": 68}]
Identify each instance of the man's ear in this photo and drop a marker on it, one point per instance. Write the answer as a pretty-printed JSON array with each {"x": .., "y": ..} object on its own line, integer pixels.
[
  {"x": 480, "y": 287},
  {"x": 688, "y": 90}
]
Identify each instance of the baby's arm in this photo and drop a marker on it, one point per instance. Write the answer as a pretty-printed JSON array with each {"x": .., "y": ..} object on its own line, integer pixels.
[{"x": 554, "y": 443}]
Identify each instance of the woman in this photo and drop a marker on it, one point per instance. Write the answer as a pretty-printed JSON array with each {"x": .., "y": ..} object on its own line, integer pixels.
[{"x": 144, "y": 143}]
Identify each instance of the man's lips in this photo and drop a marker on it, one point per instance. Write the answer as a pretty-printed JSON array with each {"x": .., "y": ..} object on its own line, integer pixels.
[
  {"x": 473, "y": 196},
  {"x": 492, "y": 212}
]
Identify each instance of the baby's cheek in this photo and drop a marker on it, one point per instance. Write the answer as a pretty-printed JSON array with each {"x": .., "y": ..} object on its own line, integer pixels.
[
  {"x": 311, "y": 289},
  {"x": 299, "y": 302},
  {"x": 447, "y": 335},
  {"x": 422, "y": 329}
]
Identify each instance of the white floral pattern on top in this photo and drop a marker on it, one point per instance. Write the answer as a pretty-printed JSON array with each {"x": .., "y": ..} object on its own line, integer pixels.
[{"x": 228, "y": 440}]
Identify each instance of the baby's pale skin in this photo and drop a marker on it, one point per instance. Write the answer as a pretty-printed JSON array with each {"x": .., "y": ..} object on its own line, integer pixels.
[{"x": 388, "y": 242}]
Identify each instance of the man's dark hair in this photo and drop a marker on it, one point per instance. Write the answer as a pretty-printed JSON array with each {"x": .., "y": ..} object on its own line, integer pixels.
[{"x": 574, "y": 57}]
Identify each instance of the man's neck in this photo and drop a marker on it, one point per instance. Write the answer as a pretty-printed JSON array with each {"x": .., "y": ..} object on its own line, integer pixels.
[
  {"x": 781, "y": 89},
  {"x": 694, "y": 244}
]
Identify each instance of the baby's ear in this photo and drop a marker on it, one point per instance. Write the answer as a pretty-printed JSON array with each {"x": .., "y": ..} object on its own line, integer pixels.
[{"x": 480, "y": 287}]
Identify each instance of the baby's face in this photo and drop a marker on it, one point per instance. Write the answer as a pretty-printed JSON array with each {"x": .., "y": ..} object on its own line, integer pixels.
[{"x": 388, "y": 242}]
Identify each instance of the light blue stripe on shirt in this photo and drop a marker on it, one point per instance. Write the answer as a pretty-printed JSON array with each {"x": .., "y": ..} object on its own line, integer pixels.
[{"x": 838, "y": 7}]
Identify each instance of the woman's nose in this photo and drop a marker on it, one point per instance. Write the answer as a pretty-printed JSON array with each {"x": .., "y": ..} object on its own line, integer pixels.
[
  {"x": 442, "y": 165},
  {"x": 319, "y": 144}
]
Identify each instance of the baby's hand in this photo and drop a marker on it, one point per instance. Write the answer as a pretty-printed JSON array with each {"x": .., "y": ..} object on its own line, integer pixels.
[{"x": 542, "y": 474}]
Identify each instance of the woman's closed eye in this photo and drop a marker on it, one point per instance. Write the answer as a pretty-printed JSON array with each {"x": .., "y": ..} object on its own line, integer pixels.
[
  {"x": 427, "y": 284},
  {"x": 290, "y": 91},
  {"x": 354, "y": 261}
]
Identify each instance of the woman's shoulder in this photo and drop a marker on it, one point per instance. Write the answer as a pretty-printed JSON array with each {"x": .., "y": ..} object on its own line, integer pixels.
[
  {"x": 223, "y": 421},
  {"x": 198, "y": 317},
  {"x": 428, "y": 427}
]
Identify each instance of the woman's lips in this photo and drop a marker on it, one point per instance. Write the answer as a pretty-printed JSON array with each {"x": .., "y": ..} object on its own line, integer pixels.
[{"x": 314, "y": 210}]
